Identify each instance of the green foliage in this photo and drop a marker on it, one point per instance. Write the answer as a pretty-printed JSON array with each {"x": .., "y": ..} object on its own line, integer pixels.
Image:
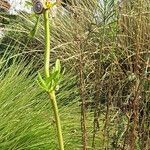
[
  {"x": 26, "y": 120},
  {"x": 22, "y": 119},
  {"x": 35, "y": 28},
  {"x": 51, "y": 83}
]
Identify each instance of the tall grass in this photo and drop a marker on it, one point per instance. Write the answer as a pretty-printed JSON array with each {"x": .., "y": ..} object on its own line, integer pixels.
[{"x": 26, "y": 121}]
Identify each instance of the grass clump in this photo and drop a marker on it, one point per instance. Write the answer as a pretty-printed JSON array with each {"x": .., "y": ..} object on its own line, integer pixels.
[
  {"x": 26, "y": 120},
  {"x": 22, "y": 113}
]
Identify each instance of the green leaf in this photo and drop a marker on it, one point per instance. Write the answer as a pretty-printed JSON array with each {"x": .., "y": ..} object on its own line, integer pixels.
[
  {"x": 48, "y": 82},
  {"x": 52, "y": 86},
  {"x": 41, "y": 82},
  {"x": 51, "y": 83},
  {"x": 35, "y": 28},
  {"x": 57, "y": 65}
]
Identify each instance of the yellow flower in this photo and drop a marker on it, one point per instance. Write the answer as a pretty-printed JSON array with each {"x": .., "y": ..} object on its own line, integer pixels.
[{"x": 49, "y": 4}]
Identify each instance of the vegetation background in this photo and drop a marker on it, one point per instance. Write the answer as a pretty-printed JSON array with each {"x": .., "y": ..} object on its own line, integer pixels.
[{"x": 104, "y": 95}]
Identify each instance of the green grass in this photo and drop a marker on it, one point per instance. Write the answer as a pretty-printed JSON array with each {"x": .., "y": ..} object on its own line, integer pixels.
[{"x": 26, "y": 119}]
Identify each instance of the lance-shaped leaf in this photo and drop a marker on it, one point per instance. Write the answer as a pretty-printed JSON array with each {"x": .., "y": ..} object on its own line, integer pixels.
[
  {"x": 57, "y": 65},
  {"x": 51, "y": 83},
  {"x": 41, "y": 82},
  {"x": 35, "y": 28}
]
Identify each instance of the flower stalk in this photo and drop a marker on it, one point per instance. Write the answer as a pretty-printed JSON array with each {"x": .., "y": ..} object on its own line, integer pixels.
[
  {"x": 57, "y": 119},
  {"x": 52, "y": 94},
  {"x": 47, "y": 43},
  {"x": 52, "y": 77}
]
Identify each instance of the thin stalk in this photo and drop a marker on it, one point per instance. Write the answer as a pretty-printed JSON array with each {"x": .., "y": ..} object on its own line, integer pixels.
[
  {"x": 52, "y": 95},
  {"x": 57, "y": 119},
  {"x": 47, "y": 43}
]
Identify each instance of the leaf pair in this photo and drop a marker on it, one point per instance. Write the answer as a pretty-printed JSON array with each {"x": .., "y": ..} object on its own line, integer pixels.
[{"x": 50, "y": 83}]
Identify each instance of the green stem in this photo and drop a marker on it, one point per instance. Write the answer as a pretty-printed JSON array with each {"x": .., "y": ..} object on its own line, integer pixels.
[
  {"x": 46, "y": 69},
  {"x": 57, "y": 119},
  {"x": 47, "y": 43}
]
